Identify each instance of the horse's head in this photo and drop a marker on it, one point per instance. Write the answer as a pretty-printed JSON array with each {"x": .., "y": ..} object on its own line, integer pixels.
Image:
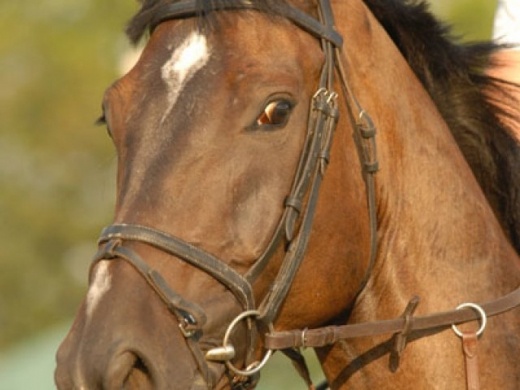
[{"x": 210, "y": 128}]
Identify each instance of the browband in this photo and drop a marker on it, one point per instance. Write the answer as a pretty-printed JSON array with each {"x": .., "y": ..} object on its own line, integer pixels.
[{"x": 190, "y": 8}]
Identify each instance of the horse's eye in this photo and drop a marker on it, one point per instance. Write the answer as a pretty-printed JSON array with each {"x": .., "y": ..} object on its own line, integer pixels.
[{"x": 276, "y": 113}]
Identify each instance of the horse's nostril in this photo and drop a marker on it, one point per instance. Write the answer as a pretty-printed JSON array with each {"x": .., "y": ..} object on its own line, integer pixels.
[
  {"x": 139, "y": 376},
  {"x": 128, "y": 371},
  {"x": 140, "y": 366}
]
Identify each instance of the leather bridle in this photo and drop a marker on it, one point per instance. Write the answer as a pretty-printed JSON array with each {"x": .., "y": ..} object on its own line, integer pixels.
[{"x": 294, "y": 226}]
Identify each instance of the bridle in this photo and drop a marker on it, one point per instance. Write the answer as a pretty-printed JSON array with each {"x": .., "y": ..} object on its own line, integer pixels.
[{"x": 294, "y": 227}]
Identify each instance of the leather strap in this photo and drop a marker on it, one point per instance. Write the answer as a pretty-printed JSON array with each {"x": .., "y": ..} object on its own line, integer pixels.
[
  {"x": 470, "y": 349},
  {"x": 311, "y": 175},
  {"x": 365, "y": 139},
  {"x": 189, "y": 253},
  {"x": 190, "y": 316},
  {"x": 329, "y": 335},
  {"x": 299, "y": 363},
  {"x": 190, "y": 8},
  {"x": 186, "y": 312}
]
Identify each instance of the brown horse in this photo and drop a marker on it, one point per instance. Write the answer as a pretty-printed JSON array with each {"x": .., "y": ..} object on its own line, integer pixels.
[{"x": 221, "y": 246}]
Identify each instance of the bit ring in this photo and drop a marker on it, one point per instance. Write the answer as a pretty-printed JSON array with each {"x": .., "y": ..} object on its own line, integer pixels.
[
  {"x": 254, "y": 367},
  {"x": 479, "y": 310}
]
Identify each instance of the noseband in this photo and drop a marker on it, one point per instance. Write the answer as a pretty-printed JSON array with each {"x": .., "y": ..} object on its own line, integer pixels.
[{"x": 294, "y": 226}]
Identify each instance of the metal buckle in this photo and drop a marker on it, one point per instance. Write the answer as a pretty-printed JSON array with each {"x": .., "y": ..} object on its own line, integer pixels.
[
  {"x": 187, "y": 325},
  {"x": 227, "y": 352}
]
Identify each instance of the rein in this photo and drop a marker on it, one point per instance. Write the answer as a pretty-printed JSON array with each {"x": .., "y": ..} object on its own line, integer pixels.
[
  {"x": 403, "y": 325},
  {"x": 294, "y": 227}
]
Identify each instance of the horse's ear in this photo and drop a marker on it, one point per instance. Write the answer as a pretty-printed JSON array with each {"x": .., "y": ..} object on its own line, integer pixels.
[{"x": 139, "y": 23}]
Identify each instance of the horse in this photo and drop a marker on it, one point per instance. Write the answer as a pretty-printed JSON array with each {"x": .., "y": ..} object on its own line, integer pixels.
[{"x": 291, "y": 174}]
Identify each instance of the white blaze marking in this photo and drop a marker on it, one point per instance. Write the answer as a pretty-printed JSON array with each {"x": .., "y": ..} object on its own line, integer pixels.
[
  {"x": 99, "y": 287},
  {"x": 186, "y": 60}
]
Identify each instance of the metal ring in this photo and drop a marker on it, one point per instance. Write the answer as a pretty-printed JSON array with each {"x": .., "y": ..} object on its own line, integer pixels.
[
  {"x": 254, "y": 367},
  {"x": 483, "y": 318}
]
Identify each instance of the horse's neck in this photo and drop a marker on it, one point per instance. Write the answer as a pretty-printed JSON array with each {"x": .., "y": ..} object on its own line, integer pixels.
[
  {"x": 437, "y": 229},
  {"x": 436, "y": 226},
  {"x": 438, "y": 237}
]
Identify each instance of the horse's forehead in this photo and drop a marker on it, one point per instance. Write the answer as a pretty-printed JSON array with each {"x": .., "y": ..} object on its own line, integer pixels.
[
  {"x": 237, "y": 36},
  {"x": 183, "y": 63},
  {"x": 191, "y": 53}
]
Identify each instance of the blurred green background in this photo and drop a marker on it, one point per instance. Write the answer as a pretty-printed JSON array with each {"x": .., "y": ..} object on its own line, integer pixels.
[{"x": 57, "y": 168}]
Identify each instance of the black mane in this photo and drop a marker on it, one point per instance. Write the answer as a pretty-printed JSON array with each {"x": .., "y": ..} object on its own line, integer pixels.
[{"x": 454, "y": 76}]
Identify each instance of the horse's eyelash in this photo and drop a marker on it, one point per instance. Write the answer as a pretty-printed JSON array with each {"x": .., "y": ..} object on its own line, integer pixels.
[{"x": 101, "y": 121}]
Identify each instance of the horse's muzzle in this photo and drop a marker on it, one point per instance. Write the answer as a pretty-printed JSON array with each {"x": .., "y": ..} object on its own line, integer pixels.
[{"x": 124, "y": 370}]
